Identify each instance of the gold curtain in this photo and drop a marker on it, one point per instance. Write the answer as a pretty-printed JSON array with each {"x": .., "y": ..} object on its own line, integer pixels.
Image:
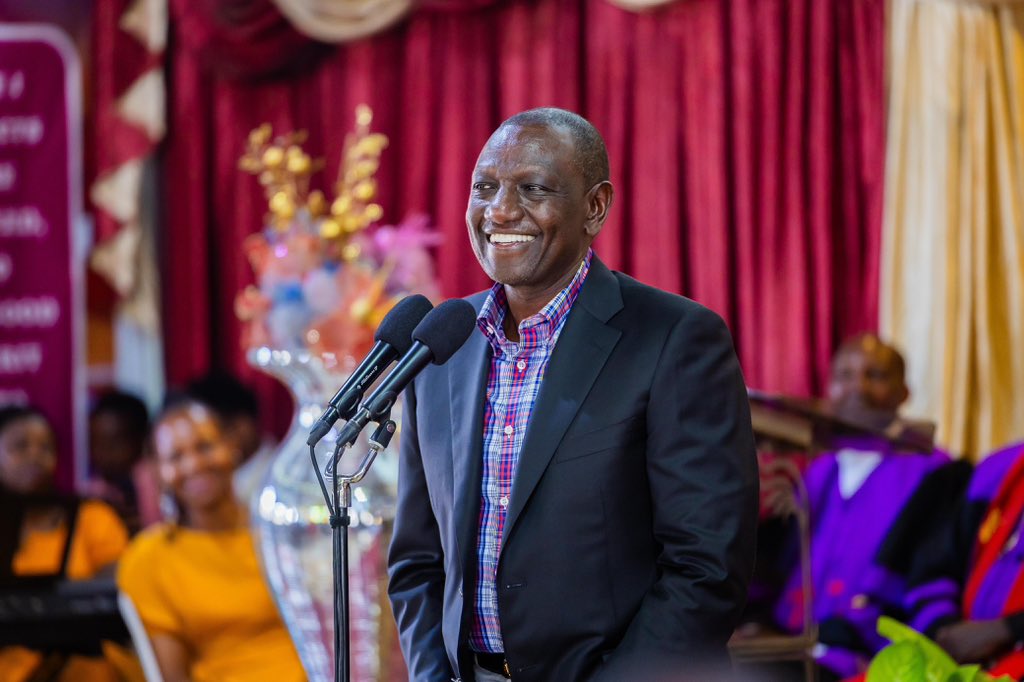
[{"x": 953, "y": 236}]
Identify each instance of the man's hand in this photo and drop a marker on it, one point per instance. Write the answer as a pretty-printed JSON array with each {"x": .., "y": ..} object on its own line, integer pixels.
[
  {"x": 975, "y": 641},
  {"x": 778, "y": 494}
]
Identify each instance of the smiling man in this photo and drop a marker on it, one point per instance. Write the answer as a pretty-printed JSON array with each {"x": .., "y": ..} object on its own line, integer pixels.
[{"x": 578, "y": 485}]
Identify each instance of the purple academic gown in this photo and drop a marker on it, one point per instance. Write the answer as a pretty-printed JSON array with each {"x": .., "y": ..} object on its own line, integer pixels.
[
  {"x": 939, "y": 600},
  {"x": 846, "y": 535}
]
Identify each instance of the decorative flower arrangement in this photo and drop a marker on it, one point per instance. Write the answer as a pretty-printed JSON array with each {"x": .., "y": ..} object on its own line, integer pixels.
[{"x": 326, "y": 273}]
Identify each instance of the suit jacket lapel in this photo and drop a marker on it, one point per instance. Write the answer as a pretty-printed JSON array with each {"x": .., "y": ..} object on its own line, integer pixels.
[
  {"x": 583, "y": 348},
  {"x": 467, "y": 383}
]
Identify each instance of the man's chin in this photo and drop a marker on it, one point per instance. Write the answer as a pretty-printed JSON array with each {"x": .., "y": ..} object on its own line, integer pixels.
[{"x": 509, "y": 276}]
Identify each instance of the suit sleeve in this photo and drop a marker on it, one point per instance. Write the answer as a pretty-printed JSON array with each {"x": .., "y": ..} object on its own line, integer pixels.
[
  {"x": 416, "y": 562},
  {"x": 702, "y": 469}
]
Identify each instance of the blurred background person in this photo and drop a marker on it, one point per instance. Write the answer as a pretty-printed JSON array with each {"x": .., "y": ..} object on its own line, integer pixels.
[
  {"x": 207, "y": 609},
  {"x": 855, "y": 495},
  {"x": 28, "y": 456},
  {"x": 238, "y": 410},
  {"x": 34, "y": 522},
  {"x": 970, "y": 596},
  {"x": 121, "y": 475}
]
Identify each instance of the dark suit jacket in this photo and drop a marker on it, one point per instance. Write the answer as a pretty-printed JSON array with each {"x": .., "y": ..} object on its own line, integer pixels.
[{"x": 629, "y": 537}]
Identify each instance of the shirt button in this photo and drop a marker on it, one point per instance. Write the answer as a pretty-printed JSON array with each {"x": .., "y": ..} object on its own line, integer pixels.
[
  {"x": 503, "y": 501},
  {"x": 521, "y": 365},
  {"x": 509, "y": 430}
]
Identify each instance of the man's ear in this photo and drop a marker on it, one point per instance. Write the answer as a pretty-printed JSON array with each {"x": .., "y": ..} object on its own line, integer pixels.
[{"x": 599, "y": 202}]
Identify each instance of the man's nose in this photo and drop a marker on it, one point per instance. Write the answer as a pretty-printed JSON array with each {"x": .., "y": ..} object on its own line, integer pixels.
[{"x": 503, "y": 207}]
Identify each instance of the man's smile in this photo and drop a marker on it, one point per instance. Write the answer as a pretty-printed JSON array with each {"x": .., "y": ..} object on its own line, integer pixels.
[{"x": 504, "y": 239}]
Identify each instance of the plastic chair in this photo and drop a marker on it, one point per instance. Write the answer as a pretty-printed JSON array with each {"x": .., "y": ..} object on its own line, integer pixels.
[{"x": 140, "y": 638}]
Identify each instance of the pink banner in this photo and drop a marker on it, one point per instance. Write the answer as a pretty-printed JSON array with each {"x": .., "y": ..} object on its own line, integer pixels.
[{"x": 41, "y": 271}]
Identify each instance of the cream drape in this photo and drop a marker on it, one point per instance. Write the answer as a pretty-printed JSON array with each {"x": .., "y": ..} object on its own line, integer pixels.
[
  {"x": 640, "y": 5},
  {"x": 119, "y": 191},
  {"x": 952, "y": 290},
  {"x": 339, "y": 21}
]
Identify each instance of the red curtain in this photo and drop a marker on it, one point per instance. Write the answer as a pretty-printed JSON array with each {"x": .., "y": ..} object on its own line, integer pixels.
[{"x": 746, "y": 141}]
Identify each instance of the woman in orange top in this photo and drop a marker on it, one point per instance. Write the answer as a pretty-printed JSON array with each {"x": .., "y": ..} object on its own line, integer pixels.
[
  {"x": 196, "y": 582},
  {"x": 28, "y": 461}
]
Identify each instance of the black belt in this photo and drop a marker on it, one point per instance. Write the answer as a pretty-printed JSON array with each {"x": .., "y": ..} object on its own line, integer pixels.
[{"x": 494, "y": 663}]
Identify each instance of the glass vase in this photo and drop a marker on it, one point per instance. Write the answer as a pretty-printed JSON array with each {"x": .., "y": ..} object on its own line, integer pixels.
[{"x": 293, "y": 534}]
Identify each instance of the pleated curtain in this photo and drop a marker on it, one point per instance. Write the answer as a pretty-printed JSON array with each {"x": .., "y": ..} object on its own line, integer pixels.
[{"x": 952, "y": 280}]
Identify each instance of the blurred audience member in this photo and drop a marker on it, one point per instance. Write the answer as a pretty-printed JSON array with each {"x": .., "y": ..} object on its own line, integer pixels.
[
  {"x": 34, "y": 522},
  {"x": 28, "y": 462},
  {"x": 855, "y": 495},
  {"x": 195, "y": 579},
  {"x": 238, "y": 408},
  {"x": 121, "y": 476},
  {"x": 973, "y": 602}
]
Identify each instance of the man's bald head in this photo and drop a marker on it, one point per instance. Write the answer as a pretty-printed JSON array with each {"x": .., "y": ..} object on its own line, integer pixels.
[
  {"x": 591, "y": 156},
  {"x": 872, "y": 343},
  {"x": 867, "y": 373}
]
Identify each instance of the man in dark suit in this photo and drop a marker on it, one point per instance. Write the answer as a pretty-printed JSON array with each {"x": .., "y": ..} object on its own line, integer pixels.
[{"x": 578, "y": 485}]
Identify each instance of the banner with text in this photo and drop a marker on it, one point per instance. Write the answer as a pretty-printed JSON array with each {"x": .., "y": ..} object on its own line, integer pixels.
[{"x": 41, "y": 269}]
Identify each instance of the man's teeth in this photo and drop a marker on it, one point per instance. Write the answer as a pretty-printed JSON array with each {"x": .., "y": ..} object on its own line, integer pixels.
[{"x": 510, "y": 238}]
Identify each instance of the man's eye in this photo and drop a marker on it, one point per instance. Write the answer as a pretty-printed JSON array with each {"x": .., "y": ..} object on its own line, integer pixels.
[
  {"x": 533, "y": 188},
  {"x": 481, "y": 186}
]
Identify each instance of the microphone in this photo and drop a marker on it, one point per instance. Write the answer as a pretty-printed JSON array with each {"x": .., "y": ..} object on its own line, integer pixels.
[
  {"x": 393, "y": 338},
  {"x": 436, "y": 339}
]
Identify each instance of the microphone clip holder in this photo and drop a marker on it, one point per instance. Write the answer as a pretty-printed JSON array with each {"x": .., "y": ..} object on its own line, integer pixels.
[{"x": 380, "y": 439}]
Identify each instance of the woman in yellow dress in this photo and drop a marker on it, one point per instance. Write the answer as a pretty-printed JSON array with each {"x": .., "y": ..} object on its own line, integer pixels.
[
  {"x": 195, "y": 581},
  {"x": 28, "y": 462}
]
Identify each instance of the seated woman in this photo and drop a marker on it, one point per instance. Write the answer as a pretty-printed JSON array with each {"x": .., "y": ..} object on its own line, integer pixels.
[
  {"x": 36, "y": 523},
  {"x": 195, "y": 579}
]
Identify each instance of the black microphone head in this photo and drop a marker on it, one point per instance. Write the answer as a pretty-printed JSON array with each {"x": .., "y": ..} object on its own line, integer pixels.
[
  {"x": 446, "y": 328},
  {"x": 397, "y": 326}
]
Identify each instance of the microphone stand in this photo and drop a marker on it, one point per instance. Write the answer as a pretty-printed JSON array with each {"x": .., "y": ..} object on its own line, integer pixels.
[{"x": 338, "y": 505}]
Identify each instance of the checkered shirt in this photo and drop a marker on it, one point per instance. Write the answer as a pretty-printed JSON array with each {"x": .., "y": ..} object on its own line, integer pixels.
[{"x": 517, "y": 370}]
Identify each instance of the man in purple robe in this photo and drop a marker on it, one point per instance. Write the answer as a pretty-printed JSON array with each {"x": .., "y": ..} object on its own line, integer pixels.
[
  {"x": 973, "y": 603},
  {"x": 855, "y": 495}
]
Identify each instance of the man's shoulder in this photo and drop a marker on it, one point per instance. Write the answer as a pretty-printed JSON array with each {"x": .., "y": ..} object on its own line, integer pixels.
[
  {"x": 990, "y": 472},
  {"x": 653, "y": 303}
]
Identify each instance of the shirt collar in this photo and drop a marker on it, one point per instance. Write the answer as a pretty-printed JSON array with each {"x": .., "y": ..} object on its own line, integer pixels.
[{"x": 491, "y": 318}]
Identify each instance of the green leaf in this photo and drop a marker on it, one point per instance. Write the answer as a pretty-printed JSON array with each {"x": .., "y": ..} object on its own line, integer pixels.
[
  {"x": 938, "y": 664},
  {"x": 968, "y": 673},
  {"x": 899, "y": 662}
]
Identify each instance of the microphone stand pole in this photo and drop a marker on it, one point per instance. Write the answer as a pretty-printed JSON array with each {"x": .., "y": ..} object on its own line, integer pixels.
[{"x": 338, "y": 505}]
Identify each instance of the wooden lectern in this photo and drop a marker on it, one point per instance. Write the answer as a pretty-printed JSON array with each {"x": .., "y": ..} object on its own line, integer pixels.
[{"x": 785, "y": 424}]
